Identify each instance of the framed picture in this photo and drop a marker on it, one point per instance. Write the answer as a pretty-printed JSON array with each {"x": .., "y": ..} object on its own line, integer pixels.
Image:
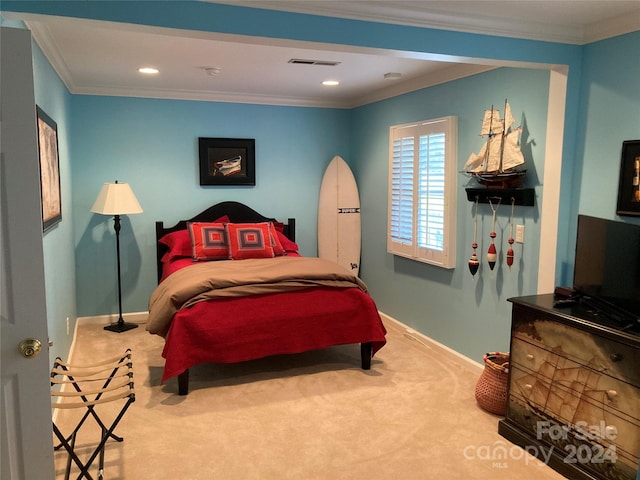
[
  {"x": 49, "y": 170},
  {"x": 227, "y": 161},
  {"x": 629, "y": 187}
]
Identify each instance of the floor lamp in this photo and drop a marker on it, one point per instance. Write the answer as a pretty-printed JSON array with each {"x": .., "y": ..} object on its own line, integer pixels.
[{"x": 117, "y": 199}]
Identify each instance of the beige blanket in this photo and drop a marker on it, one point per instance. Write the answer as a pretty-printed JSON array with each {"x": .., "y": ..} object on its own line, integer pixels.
[{"x": 238, "y": 278}]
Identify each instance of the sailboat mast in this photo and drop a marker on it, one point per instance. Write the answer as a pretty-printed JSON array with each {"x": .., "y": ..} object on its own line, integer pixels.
[
  {"x": 487, "y": 155},
  {"x": 504, "y": 133}
]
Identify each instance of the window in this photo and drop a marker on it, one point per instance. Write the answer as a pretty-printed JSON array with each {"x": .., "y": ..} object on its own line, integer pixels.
[{"x": 422, "y": 193}]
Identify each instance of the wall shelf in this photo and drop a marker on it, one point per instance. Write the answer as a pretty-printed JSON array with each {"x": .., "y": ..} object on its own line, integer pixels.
[{"x": 521, "y": 196}]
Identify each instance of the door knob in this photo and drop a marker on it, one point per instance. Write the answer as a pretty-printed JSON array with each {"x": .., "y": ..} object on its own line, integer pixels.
[{"x": 30, "y": 347}]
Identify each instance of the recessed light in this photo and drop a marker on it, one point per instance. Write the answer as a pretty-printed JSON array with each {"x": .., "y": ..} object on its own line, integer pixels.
[
  {"x": 148, "y": 70},
  {"x": 331, "y": 83}
]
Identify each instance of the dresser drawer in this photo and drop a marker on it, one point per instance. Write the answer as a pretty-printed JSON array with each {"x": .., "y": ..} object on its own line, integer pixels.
[
  {"x": 558, "y": 415},
  {"x": 617, "y": 360}
]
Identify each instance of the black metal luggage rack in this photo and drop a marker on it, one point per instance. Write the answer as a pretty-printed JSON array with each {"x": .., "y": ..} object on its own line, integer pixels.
[{"x": 107, "y": 381}]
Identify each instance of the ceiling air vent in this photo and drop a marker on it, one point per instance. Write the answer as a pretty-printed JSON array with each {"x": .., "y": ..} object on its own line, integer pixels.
[{"x": 302, "y": 61}]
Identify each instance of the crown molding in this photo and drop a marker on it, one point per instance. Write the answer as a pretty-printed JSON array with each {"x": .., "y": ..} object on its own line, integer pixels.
[
  {"x": 403, "y": 13},
  {"x": 46, "y": 40},
  {"x": 50, "y": 48},
  {"x": 612, "y": 27},
  {"x": 208, "y": 96},
  {"x": 454, "y": 72}
]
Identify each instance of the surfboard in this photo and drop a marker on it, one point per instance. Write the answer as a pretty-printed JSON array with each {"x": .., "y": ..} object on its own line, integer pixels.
[{"x": 339, "y": 232}]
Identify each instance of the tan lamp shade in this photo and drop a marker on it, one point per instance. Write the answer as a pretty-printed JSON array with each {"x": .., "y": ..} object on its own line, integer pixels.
[{"x": 116, "y": 199}]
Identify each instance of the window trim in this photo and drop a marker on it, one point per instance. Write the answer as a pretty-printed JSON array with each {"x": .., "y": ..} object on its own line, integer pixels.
[{"x": 445, "y": 258}]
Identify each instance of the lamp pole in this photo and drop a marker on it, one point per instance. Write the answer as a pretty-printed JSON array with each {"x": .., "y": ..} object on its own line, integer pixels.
[{"x": 121, "y": 325}]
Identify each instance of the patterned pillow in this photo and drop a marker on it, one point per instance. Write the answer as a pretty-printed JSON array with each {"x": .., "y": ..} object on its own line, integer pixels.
[
  {"x": 249, "y": 240},
  {"x": 179, "y": 242},
  {"x": 209, "y": 241}
]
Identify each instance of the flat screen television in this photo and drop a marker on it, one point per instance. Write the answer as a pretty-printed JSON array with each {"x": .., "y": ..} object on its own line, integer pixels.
[{"x": 607, "y": 267}]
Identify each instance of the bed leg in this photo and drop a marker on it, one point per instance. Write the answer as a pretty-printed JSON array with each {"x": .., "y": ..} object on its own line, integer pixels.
[
  {"x": 365, "y": 354},
  {"x": 183, "y": 383}
]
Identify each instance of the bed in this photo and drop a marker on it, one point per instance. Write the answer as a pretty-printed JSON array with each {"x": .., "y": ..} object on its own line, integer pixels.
[{"x": 242, "y": 304}]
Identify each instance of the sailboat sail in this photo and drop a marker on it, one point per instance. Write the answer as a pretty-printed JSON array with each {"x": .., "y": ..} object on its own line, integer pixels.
[
  {"x": 512, "y": 155},
  {"x": 491, "y": 123},
  {"x": 500, "y": 154},
  {"x": 508, "y": 116}
]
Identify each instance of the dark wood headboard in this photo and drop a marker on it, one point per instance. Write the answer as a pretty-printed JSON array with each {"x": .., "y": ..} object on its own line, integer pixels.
[{"x": 237, "y": 213}]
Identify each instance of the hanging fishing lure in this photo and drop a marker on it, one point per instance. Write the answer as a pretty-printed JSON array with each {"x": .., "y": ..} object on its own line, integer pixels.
[
  {"x": 510, "y": 253},
  {"x": 474, "y": 263},
  {"x": 492, "y": 255}
]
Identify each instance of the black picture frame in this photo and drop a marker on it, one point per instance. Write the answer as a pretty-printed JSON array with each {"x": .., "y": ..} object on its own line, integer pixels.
[
  {"x": 49, "y": 162},
  {"x": 629, "y": 186},
  {"x": 239, "y": 155}
]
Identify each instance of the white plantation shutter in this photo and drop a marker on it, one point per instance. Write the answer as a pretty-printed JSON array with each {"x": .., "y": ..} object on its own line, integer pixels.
[
  {"x": 422, "y": 167},
  {"x": 402, "y": 191}
]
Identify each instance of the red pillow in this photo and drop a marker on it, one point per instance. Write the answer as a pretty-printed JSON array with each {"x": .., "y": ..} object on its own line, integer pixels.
[
  {"x": 209, "y": 241},
  {"x": 249, "y": 240},
  {"x": 288, "y": 245},
  {"x": 278, "y": 249},
  {"x": 179, "y": 243}
]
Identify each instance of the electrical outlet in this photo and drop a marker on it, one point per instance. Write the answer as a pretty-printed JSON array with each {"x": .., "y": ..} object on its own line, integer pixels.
[
  {"x": 520, "y": 233},
  {"x": 68, "y": 326}
]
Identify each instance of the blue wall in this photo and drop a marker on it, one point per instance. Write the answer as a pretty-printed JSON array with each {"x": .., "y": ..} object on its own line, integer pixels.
[
  {"x": 152, "y": 145},
  {"x": 608, "y": 93},
  {"x": 60, "y": 267},
  {"x": 609, "y": 114},
  {"x": 443, "y": 303}
]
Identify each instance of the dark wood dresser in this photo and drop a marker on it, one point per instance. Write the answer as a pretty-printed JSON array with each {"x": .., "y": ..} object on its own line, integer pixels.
[{"x": 573, "y": 396}]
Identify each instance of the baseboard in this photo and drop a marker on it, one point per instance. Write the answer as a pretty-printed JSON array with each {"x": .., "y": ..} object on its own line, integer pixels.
[
  {"x": 455, "y": 357},
  {"x": 134, "y": 317}
]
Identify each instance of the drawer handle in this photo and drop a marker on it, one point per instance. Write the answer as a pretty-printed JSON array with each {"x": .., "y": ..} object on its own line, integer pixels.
[
  {"x": 612, "y": 394},
  {"x": 528, "y": 387},
  {"x": 616, "y": 357},
  {"x": 529, "y": 356}
]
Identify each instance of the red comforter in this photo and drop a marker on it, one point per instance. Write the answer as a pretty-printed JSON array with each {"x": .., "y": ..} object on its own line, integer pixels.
[{"x": 236, "y": 329}]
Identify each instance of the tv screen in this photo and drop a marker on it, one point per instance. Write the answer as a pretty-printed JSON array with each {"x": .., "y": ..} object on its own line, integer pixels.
[{"x": 607, "y": 264}]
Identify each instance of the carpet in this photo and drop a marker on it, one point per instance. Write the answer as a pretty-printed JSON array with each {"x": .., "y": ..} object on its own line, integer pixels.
[{"x": 311, "y": 416}]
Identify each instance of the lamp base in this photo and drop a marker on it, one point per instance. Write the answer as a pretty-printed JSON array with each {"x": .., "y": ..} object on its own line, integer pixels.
[{"x": 120, "y": 327}]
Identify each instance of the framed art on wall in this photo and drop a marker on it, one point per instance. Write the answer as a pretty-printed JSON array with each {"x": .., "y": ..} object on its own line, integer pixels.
[
  {"x": 227, "y": 161},
  {"x": 49, "y": 170},
  {"x": 629, "y": 186}
]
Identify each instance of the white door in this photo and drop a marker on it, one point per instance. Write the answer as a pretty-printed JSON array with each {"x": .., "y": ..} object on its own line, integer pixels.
[{"x": 26, "y": 443}]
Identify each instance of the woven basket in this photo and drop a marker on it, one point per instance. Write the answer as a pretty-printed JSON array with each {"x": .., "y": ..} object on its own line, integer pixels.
[{"x": 491, "y": 389}]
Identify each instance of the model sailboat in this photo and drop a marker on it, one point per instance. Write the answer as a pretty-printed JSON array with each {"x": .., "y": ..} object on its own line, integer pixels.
[{"x": 496, "y": 165}]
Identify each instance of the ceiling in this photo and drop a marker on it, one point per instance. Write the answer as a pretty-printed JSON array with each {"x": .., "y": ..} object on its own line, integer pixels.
[{"x": 102, "y": 58}]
